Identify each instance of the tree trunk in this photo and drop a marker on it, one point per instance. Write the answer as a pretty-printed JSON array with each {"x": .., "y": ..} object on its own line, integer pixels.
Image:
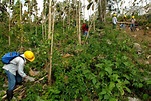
[
  {"x": 79, "y": 23},
  {"x": 50, "y": 52},
  {"x": 9, "y": 39},
  {"x": 21, "y": 28},
  {"x": 102, "y": 10},
  {"x": 42, "y": 28},
  {"x": 94, "y": 17},
  {"x": 75, "y": 2},
  {"x": 69, "y": 15},
  {"x": 63, "y": 26}
]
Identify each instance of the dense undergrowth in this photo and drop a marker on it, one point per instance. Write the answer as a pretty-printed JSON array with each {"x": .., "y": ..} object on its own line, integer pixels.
[{"x": 104, "y": 68}]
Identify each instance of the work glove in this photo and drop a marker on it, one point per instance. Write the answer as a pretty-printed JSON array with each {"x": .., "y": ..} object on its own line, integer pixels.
[{"x": 28, "y": 78}]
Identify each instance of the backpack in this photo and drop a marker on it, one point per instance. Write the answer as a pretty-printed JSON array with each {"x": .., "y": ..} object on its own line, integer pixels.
[{"x": 10, "y": 56}]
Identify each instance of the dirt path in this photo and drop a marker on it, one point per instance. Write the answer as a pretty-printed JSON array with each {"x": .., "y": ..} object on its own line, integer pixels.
[
  {"x": 142, "y": 38},
  {"x": 140, "y": 35}
]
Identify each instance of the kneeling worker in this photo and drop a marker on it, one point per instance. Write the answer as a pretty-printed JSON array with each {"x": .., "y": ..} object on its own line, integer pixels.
[{"x": 15, "y": 71}]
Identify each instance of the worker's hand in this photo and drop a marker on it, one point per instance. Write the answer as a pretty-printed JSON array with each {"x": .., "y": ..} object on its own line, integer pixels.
[{"x": 28, "y": 78}]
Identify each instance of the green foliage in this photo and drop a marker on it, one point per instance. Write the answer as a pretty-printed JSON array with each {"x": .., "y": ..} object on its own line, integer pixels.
[
  {"x": 33, "y": 92},
  {"x": 98, "y": 70},
  {"x": 105, "y": 68}
]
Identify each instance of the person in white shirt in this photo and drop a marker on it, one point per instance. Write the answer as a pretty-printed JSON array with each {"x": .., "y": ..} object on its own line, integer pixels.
[
  {"x": 15, "y": 71},
  {"x": 132, "y": 26},
  {"x": 114, "y": 21}
]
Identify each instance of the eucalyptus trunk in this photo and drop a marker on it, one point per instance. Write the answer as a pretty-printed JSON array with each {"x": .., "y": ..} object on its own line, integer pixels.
[
  {"x": 44, "y": 20},
  {"x": 49, "y": 38},
  {"x": 63, "y": 26},
  {"x": 21, "y": 28},
  {"x": 94, "y": 17},
  {"x": 75, "y": 2},
  {"x": 69, "y": 13},
  {"x": 42, "y": 27},
  {"x": 9, "y": 38},
  {"x": 102, "y": 10},
  {"x": 84, "y": 10},
  {"x": 79, "y": 23},
  {"x": 9, "y": 18},
  {"x": 45, "y": 15},
  {"x": 49, "y": 19}
]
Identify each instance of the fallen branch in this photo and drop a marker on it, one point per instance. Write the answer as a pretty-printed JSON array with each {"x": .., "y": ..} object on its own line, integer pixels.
[
  {"x": 15, "y": 90},
  {"x": 124, "y": 22},
  {"x": 40, "y": 79},
  {"x": 21, "y": 94}
]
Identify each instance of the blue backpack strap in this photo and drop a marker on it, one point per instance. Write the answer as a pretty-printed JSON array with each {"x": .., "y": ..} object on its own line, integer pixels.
[
  {"x": 22, "y": 57},
  {"x": 16, "y": 57}
]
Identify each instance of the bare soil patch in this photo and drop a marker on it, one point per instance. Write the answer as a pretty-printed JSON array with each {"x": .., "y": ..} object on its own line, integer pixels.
[{"x": 142, "y": 37}]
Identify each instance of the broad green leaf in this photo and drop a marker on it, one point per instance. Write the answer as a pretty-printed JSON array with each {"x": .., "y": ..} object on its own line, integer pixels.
[
  {"x": 140, "y": 85},
  {"x": 115, "y": 77},
  {"x": 111, "y": 86},
  {"x": 109, "y": 70},
  {"x": 106, "y": 96},
  {"x": 99, "y": 65},
  {"x": 103, "y": 91},
  {"x": 98, "y": 85},
  {"x": 127, "y": 77},
  {"x": 102, "y": 73},
  {"x": 127, "y": 64},
  {"x": 113, "y": 99},
  {"x": 94, "y": 81},
  {"x": 125, "y": 57},
  {"x": 120, "y": 88},
  {"x": 39, "y": 99},
  {"x": 86, "y": 71},
  {"x": 149, "y": 82},
  {"x": 145, "y": 97},
  {"x": 55, "y": 91},
  {"x": 126, "y": 82},
  {"x": 127, "y": 89},
  {"x": 85, "y": 98}
]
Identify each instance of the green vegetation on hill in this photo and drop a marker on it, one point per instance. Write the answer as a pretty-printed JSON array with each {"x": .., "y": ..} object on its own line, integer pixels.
[{"x": 104, "y": 68}]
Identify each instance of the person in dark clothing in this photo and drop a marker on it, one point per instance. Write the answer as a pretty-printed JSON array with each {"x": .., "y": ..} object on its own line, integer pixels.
[
  {"x": 85, "y": 29},
  {"x": 123, "y": 24}
]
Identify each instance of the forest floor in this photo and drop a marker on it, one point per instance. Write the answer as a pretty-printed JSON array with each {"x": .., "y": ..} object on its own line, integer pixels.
[{"x": 140, "y": 36}]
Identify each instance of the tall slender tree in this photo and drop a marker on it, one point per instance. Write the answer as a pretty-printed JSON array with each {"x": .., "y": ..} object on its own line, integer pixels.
[
  {"x": 79, "y": 22},
  {"x": 9, "y": 4},
  {"x": 49, "y": 38},
  {"x": 101, "y": 8}
]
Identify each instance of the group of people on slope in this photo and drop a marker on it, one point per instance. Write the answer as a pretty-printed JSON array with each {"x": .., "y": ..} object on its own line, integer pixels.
[
  {"x": 15, "y": 70},
  {"x": 122, "y": 25},
  {"x": 85, "y": 27}
]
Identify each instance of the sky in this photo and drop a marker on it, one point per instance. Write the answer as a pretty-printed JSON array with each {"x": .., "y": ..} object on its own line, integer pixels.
[
  {"x": 87, "y": 13},
  {"x": 84, "y": 2}
]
